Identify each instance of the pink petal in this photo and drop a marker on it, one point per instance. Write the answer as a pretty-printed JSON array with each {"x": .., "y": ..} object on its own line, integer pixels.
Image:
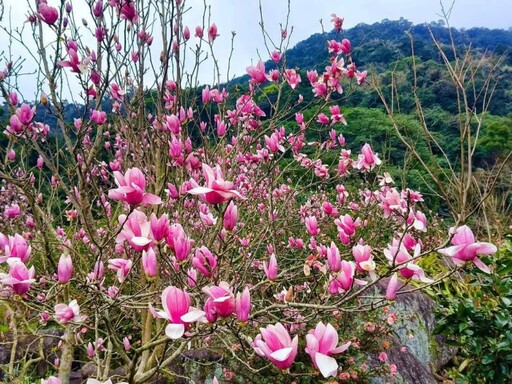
[
  {"x": 150, "y": 199},
  {"x": 481, "y": 265}
]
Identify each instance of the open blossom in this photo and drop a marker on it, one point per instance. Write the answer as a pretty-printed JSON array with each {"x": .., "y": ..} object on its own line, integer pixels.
[
  {"x": 121, "y": 266},
  {"x": 136, "y": 231},
  {"x": 131, "y": 189},
  {"x": 274, "y": 343},
  {"x": 19, "y": 278},
  {"x": 322, "y": 342},
  {"x": 363, "y": 257},
  {"x": 221, "y": 300},
  {"x": 74, "y": 62},
  {"x": 367, "y": 160},
  {"x": 257, "y": 73},
  {"x": 217, "y": 190},
  {"x": 345, "y": 279},
  {"x": 12, "y": 211},
  {"x": 128, "y": 11},
  {"x": 205, "y": 261},
  {"x": 397, "y": 253},
  {"x": 464, "y": 248},
  {"x": 177, "y": 311},
  {"x": 65, "y": 313}
]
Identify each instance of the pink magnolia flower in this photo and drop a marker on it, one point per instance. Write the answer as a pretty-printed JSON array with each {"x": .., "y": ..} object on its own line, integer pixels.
[
  {"x": 345, "y": 46},
  {"x": 217, "y": 190},
  {"x": 74, "y": 62},
  {"x": 465, "y": 248},
  {"x": 159, "y": 226},
  {"x": 205, "y": 261},
  {"x": 19, "y": 278},
  {"x": 25, "y": 114},
  {"x": 311, "y": 225},
  {"x": 257, "y": 73},
  {"x": 121, "y": 266},
  {"x": 136, "y": 231},
  {"x": 221, "y": 300},
  {"x": 12, "y": 211},
  {"x": 131, "y": 189},
  {"x": 99, "y": 117},
  {"x": 274, "y": 343},
  {"x": 177, "y": 311},
  {"x": 334, "y": 258},
  {"x": 47, "y": 14},
  {"x": 179, "y": 242},
  {"x": 275, "y": 56},
  {"x": 292, "y": 77},
  {"x": 345, "y": 279},
  {"x": 243, "y": 305},
  {"x": 397, "y": 253},
  {"x": 367, "y": 160},
  {"x": 392, "y": 288},
  {"x": 212, "y": 33},
  {"x": 65, "y": 313},
  {"x": 271, "y": 269},
  {"x": 16, "y": 247},
  {"x": 149, "y": 263},
  {"x": 322, "y": 342},
  {"x": 65, "y": 268},
  {"x": 337, "y": 22},
  {"x": 363, "y": 256},
  {"x": 128, "y": 11},
  {"x": 230, "y": 216}
]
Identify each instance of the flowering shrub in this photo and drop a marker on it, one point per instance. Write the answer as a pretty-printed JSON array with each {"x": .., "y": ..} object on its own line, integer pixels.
[{"x": 190, "y": 217}]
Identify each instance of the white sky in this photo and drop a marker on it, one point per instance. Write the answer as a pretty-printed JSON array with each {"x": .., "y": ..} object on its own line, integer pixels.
[{"x": 242, "y": 16}]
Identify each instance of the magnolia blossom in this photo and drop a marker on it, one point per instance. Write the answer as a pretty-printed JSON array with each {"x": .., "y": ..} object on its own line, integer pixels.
[
  {"x": 131, "y": 189},
  {"x": 65, "y": 313},
  {"x": 367, "y": 160},
  {"x": 19, "y": 278},
  {"x": 14, "y": 247},
  {"x": 465, "y": 248},
  {"x": 121, "y": 266},
  {"x": 274, "y": 343},
  {"x": 177, "y": 311},
  {"x": 397, "y": 253},
  {"x": 271, "y": 269},
  {"x": 221, "y": 300},
  {"x": 243, "y": 305},
  {"x": 322, "y": 342},
  {"x": 65, "y": 268},
  {"x": 217, "y": 190},
  {"x": 48, "y": 14},
  {"x": 257, "y": 73}
]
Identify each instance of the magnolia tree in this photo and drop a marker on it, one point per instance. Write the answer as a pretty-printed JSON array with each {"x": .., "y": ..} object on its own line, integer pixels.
[{"x": 170, "y": 217}]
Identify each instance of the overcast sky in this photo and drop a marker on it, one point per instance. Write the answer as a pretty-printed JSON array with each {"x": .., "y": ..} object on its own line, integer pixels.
[{"x": 242, "y": 16}]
